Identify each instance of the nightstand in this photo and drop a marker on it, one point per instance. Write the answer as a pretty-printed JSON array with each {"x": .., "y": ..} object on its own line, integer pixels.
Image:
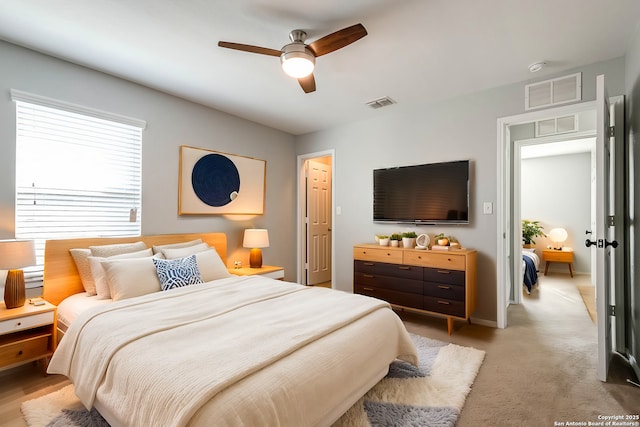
[
  {"x": 266, "y": 270},
  {"x": 555, "y": 255},
  {"x": 27, "y": 334}
]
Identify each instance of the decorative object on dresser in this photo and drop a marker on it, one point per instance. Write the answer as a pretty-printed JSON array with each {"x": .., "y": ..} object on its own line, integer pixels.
[
  {"x": 27, "y": 333},
  {"x": 255, "y": 239},
  {"x": 14, "y": 255},
  {"x": 555, "y": 255},
  {"x": 431, "y": 282},
  {"x": 409, "y": 239}
]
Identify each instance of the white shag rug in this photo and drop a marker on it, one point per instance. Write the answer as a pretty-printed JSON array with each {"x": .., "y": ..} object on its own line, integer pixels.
[{"x": 431, "y": 395}]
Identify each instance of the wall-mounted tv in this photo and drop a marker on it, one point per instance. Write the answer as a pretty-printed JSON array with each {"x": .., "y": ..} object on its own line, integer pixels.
[{"x": 434, "y": 193}]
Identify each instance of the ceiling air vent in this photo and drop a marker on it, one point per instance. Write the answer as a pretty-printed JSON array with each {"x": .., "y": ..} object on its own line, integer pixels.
[
  {"x": 553, "y": 92},
  {"x": 381, "y": 102},
  {"x": 556, "y": 125}
]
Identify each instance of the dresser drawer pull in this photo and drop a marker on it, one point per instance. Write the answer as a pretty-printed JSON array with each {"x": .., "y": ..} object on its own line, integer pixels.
[
  {"x": 368, "y": 289},
  {"x": 444, "y": 302},
  {"x": 19, "y": 324},
  {"x": 444, "y": 287},
  {"x": 20, "y": 353},
  {"x": 369, "y": 276},
  {"x": 444, "y": 271},
  {"x": 369, "y": 264},
  {"x": 404, "y": 267}
]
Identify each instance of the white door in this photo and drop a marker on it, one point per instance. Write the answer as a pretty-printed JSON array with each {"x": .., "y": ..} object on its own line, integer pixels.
[
  {"x": 318, "y": 222},
  {"x": 602, "y": 238}
]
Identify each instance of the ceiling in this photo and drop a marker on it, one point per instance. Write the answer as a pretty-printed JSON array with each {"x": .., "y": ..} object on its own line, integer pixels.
[{"x": 418, "y": 52}]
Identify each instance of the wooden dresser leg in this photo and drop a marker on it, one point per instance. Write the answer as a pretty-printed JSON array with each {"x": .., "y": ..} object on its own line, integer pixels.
[
  {"x": 450, "y": 325},
  {"x": 570, "y": 269}
]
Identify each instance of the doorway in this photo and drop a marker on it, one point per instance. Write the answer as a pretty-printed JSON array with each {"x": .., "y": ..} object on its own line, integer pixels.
[{"x": 315, "y": 219}]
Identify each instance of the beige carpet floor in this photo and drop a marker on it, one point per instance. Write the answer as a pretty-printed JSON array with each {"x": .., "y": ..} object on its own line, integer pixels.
[{"x": 541, "y": 369}]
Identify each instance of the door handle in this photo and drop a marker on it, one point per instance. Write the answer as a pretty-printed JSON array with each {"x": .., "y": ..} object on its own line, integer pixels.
[
  {"x": 588, "y": 243},
  {"x": 614, "y": 244}
]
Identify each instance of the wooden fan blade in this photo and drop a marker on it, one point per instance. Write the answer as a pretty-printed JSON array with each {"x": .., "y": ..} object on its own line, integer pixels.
[
  {"x": 249, "y": 48},
  {"x": 338, "y": 40},
  {"x": 308, "y": 83}
]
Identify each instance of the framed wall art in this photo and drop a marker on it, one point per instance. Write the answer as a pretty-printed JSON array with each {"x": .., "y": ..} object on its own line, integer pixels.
[{"x": 211, "y": 182}]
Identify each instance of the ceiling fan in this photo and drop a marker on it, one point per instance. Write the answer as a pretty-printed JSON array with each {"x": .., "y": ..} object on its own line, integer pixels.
[{"x": 298, "y": 59}]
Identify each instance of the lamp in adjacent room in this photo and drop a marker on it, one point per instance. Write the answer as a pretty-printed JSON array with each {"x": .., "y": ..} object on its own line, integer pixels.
[
  {"x": 15, "y": 255},
  {"x": 255, "y": 239},
  {"x": 558, "y": 236}
]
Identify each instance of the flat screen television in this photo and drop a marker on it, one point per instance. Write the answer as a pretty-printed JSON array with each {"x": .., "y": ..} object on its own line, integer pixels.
[{"x": 434, "y": 193}]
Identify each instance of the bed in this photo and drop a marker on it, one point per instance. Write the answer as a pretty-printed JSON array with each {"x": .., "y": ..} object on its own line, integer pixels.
[
  {"x": 237, "y": 350},
  {"x": 530, "y": 265}
]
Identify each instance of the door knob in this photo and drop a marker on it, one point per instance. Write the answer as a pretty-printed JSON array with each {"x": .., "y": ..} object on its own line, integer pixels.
[
  {"x": 588, "y": 243},
  {"x": 614, "y": 244}
]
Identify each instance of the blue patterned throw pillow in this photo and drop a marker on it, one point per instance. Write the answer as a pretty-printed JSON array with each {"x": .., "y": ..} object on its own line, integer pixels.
[{"x": 176, "y": 273}]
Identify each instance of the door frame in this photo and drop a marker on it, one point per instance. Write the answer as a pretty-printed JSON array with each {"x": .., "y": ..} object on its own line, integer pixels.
[
  {"x": 301, "y": 208},
  {"x": 509, "y": 234}
]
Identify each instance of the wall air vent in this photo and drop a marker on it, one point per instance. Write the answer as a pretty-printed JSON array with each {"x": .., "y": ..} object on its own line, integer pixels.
[
  {"x": 556, "y": 125},
  {"x": 556, "y": 91},
  {"x": 381, "y": 102}
]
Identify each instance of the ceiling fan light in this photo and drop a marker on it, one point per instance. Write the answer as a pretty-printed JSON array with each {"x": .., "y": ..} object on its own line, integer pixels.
[{"x": 297, "y": 61}]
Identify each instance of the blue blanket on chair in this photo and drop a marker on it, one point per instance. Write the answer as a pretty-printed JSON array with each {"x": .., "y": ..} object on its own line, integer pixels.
[{"x": 530, "y": 273}]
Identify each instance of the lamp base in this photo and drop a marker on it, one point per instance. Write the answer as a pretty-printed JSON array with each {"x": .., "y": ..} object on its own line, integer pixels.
[
  {"x": 255, "y": 258},
  {"x": 14, "y": 290}
]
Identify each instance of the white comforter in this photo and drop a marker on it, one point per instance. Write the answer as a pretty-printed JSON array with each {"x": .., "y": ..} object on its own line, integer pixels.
[{"x": 159, "y": 359}]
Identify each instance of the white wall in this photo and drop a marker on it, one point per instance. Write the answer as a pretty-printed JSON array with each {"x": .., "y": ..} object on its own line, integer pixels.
[
  {"x": 171, "y": 122},
  {"x": 556, "y": 191},
  {"x": 460, "y": 128}
]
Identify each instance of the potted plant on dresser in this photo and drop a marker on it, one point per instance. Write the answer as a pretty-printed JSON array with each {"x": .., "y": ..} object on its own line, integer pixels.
[
  {"x": 531, "y": 229},
  {"x": 409, "y": 239}
]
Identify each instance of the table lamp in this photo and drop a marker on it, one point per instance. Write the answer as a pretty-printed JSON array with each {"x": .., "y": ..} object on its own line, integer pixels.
[
  {"x": 255, "y": 238},
  {"x": 14, "y": 255},
  {"x": 558, "y": 236}
]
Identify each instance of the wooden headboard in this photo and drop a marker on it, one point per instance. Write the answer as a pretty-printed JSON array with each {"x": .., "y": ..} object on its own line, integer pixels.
[{"x": 61, "y": 278}]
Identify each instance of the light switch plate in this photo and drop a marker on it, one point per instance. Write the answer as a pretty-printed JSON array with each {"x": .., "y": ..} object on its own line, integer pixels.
[{"x": 487, "y": 208}]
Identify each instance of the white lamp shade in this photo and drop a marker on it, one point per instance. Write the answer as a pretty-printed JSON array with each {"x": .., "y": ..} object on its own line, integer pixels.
[
  {"x": 558, "y": 235},
  {"x": 16, "y": 254},
  {"x": 256, "y": 238}
]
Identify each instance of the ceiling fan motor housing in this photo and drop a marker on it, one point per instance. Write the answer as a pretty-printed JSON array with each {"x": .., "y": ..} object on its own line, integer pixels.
[{"x": 297, "y": 59}]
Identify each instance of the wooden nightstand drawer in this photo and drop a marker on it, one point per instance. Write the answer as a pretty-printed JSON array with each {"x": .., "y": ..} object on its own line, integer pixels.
[
  {"x": 29, "y": 348},
  {"x": 557, "y": 256},
  {"x": 26, "y": 322}
]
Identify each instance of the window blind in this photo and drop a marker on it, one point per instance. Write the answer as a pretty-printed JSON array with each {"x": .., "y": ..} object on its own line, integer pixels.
[{"x": 77, "y": 175}]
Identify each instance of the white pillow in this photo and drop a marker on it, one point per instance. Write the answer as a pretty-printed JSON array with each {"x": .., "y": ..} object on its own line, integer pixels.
[
  {"x": 211, "y": 266},
  {"x": 159, "y": 248},
  {"x": 116, "y": 249},
  {"x": 131, "y": 277},
  {"x": 99, "y": 274},
  {"x": 81, "y": 259},
  {"x": 175, "y": 253}
]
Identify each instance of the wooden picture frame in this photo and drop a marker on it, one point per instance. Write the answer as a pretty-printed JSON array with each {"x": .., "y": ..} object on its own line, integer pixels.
[{"x": 216, "y": 183}]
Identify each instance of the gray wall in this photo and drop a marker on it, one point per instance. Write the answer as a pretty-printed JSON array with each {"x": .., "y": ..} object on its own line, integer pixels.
[
  {"x": 460, "y": 128},
  {"x": 556, "y": 191},
  {"x": 632, "y": 86},
  {"x": 171, "y": 122}
]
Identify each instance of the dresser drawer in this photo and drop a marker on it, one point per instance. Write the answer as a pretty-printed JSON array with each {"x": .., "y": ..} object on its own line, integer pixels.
[
  {"x": 392, "y": 255},
  {"x": 444, "y": 290},
  {"x": 394, "y": 270},
  {"x": 393, "y": 283},
  {"x": 26, "y": 322},
  {"x": 444, "y": 306},
  {"x": 435, "y": 259},
  {"x": 442, "y": 275},
  {"x": 23, "y": 350},
  {"x": 391, "y": 296}
]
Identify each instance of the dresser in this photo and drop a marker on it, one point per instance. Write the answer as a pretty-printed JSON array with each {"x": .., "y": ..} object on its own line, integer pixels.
[{"x": 440, "y": 283}]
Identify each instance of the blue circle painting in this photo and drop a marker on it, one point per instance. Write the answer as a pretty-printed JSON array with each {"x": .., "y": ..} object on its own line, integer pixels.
[{"x": 215, "y": 180}]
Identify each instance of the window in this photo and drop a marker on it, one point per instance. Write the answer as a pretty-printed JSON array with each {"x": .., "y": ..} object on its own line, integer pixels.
[{"x": 78, "y": 173}]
